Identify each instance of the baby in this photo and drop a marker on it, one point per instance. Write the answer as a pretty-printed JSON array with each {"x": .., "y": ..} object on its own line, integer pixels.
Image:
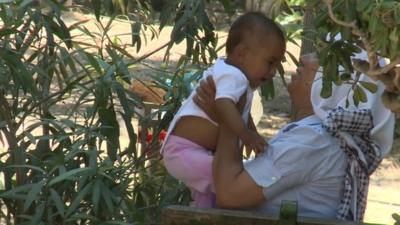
[{"x": 255, "y": 47}]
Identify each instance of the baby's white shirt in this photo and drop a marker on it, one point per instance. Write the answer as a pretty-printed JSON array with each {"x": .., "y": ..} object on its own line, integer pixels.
[{"x": 230, "y": 83}]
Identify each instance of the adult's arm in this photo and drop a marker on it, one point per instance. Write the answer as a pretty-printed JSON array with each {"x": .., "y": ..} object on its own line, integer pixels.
[{"x": 233, "y": 185}]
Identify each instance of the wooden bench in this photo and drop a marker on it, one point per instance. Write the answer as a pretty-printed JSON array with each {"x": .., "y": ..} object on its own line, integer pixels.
[{"x": 185, "y": 215}]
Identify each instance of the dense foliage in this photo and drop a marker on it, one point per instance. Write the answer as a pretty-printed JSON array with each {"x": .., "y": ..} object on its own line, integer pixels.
[{"x": 69, "y": 167}]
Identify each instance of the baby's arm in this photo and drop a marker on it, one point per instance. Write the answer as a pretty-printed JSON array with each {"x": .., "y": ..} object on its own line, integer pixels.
[
  {"x": 251, "y": 125},
  {"x": 229, "y": 114}
]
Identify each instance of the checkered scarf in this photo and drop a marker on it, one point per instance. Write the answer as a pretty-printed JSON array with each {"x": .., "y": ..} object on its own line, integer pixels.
[{"x": 352, "y": 128}]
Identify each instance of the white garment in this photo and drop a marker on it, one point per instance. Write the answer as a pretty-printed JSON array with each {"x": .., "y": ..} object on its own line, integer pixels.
[
  {"x": 303, "y": 163},
  {"x": 384, "y": 120},
  {"x": 354, "y": 198},
  {"x": 230, "y": 83}
]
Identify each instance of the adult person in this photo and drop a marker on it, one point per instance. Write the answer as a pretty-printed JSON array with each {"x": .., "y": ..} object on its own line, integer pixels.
[{"x": 308, "y": 161}]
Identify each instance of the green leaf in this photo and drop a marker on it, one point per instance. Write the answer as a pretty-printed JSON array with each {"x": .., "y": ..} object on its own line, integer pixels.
[
  {"x": 119, "y": 89},
  {"x": 97, "y": 8},
  {"x": 109, "y": 127},
  {"x": 25, "y": 3},
  {"x": 39, "y": 210},
  {"x": 362, "y": 95},
  {"x": 362, "y": 5},
  {"x": 47, "y": 23},
  {"x": 359, "y": 95},
  {"x": 79, "y": 217},
  {"x": 78, "y": 199},
  {"x": 106, "y": 193},
  {"x": 7, "y": 31},
  {"x": 112, "y": 222},
  {"x": 93, "y": 62},
  {"x": 20, "y": 73},
  {"x": 326, "y": 90},
  {"x": 96, "y": 195},
  {"x": 13, "y": 192},
  {"x": 136, "y": 40},
  {"x": 29, "y": 167},
  {"x": 122, "y": 69},
  {"x": 268, "y": 90},
  {"x": 369, "y": 86},
  {"x": 397, "y": 15},
  {"x": 5, "y": 1},
  {"x": 57, "y": 200},
  {"x": 68, "y": 174},
  {"x": 62, "y": 32},
  {"x": 226, "y": 4},
  {"x": 396, "y": 217},
  {"x": 293, "y": 58},
  {"x": 345, "y": 76},
  {"x": 33, "y": 194}
]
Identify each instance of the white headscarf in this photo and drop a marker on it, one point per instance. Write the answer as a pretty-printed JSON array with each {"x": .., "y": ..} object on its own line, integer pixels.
[
  {"x": 383, "y": 119},
  {"x": 364, "y": 152}
]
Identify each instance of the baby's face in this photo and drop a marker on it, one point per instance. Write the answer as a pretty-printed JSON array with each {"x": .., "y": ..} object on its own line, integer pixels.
[{"x": 262, "y": 58}]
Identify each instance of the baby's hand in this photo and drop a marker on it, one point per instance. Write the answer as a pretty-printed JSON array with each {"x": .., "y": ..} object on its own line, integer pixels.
[{"x": 253, "y": 142}]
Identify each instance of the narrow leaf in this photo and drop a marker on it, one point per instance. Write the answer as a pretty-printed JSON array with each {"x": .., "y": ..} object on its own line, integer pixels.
[
  {"x": 78, "y": 199},
  {"x": 33, "y": 194},
  {"x": 96, "y": 195},
  {"x": 68, "y": 174},
  {"x": 57, "y": 200},
  {"x": 96, "y": 7}
]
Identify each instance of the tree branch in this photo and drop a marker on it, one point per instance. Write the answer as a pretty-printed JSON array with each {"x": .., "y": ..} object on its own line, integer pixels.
[
  {"x": 377, "y": 72},
  {"x": 385, "y": 69},
  {"x": 372, "y": 56}
]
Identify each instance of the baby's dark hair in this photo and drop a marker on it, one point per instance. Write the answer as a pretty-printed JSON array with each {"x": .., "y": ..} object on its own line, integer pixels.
[{"x": 250, "y": 24}]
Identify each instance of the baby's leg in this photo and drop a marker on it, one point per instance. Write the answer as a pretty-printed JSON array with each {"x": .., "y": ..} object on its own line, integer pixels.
[
  {"x": 192, "y": 164},
  {"x": 203, "y": 200}
]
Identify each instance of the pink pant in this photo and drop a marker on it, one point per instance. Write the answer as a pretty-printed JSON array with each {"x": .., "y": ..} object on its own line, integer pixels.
[{"x": 192, "y": 164}]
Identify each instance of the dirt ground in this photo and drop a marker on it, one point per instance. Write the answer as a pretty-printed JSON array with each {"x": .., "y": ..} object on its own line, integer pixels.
[{"x": 384, "y": 196}]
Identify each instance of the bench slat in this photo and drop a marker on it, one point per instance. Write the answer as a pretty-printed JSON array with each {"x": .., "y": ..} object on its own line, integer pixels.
[{"x": 184, "y": 215}]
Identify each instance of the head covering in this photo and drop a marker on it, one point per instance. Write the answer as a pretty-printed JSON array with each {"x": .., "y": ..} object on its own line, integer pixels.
[
  {"x": 383, "y": 119},
  {"x": 365, "y": 133}
]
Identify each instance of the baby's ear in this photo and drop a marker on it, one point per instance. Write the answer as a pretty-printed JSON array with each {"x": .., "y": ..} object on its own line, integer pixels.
[
  {"x": 243, "y": 48},
  {"x": 240, "y": 52}
]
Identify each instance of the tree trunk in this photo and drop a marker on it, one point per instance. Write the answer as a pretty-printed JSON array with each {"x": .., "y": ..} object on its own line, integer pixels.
[
  {"x": 307, "y": 42},
  {"x": 257, "y": 5}
]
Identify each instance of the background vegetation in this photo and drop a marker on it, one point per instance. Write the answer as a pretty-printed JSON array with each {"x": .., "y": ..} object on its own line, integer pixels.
[{"x": 70, "y": 168}]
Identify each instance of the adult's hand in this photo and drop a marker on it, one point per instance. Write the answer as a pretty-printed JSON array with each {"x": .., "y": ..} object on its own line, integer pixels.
[
  {"x": 300, "y": 85},
  {"x": 205, "y": 98},
  {"x": 309, "y": 65}
]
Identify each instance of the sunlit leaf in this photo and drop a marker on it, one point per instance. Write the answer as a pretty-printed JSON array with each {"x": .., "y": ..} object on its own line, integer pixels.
[
  {"x": 361, "y": 94},
  {"x": 369, "y": 86}
]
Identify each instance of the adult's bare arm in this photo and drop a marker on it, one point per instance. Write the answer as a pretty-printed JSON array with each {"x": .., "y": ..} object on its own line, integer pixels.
[{"x": 234, "y": 187}]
